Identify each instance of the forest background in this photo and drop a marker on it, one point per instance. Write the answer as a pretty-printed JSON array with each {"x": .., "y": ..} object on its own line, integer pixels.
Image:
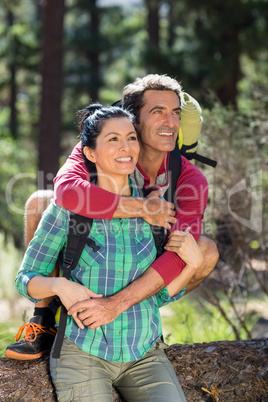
[{"x": 57, "y": 56}]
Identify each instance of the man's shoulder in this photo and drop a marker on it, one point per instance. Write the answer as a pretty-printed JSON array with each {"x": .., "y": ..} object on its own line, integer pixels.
[
  {"x": 189, "y": 172},
  {"x": 55, "y": 214}
]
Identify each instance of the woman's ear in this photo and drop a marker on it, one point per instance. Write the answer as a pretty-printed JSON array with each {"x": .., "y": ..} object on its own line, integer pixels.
[{"x": 89, "y": 154}]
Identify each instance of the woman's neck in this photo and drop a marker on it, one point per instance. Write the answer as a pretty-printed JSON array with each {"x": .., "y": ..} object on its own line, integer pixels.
[{"x": 116, "y": 185}]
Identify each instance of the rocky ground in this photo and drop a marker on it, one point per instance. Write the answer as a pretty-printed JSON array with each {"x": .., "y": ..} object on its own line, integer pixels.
[{"x": 211, "y": 372}]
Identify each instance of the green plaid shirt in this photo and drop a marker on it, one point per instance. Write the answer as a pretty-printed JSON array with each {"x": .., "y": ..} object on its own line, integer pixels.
[{"x": 126, "y": 250}]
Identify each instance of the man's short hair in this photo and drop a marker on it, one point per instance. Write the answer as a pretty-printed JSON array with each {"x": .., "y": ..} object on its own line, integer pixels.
[{"x": 133, "y": 93}]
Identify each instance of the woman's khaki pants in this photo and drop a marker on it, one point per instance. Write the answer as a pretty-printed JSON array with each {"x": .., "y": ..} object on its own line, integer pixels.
[{"x": 78, "y": 376}]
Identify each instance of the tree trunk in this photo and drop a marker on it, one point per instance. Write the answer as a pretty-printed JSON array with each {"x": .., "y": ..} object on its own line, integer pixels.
[
  {"x": 213, "y": 372},
  {"x": 13, "y": 84},
  {"x": 93, "y": 54},
  {"x": 230, "y": 53},
  {"x": 50, "y": 115},
  {"x": 172, "y": 22},
  {"x": 153, "y": 22}
]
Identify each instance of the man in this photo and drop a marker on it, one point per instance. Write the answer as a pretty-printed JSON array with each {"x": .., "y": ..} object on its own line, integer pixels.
[{"x": 155, "y": 102}]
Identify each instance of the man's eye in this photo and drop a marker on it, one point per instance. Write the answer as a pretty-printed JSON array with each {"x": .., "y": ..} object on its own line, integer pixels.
[{"x": 113, "y": 139}]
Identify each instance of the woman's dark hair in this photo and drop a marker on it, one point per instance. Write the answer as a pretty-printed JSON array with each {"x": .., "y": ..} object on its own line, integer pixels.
[{"x": 91, "y": 121}]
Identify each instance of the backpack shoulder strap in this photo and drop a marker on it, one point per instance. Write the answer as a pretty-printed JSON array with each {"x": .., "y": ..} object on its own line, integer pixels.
[
  {"x": 194, "y": 155},
  {"x": 79, "y": 229},
  {"x": 174, "y": 167},
  {"x": 205, "y": 160},
  {"x": 157, "y": 231}
]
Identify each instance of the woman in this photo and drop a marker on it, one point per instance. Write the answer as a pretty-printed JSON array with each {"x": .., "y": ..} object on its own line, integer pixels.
[{"x": 127, "y": 352}]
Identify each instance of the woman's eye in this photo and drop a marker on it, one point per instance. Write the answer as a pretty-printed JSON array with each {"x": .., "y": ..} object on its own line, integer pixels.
[
  {"x": 133, "y": 138},
  {"x": 113, "y": 139}
]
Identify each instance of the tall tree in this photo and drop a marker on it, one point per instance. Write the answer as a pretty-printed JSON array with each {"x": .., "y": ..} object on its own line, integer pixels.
[
  {"x": 93, "y": 53},
  {"x": 152, "y": 54},
  {"x": 12, "y": 67},
  {"x": 85, "y": 45},
  {"x": 52, "y": 77},
  {"x": 172, "y": 23},
  {"x": 226, "y": 30},
  {"x": 153, "y": 22}
]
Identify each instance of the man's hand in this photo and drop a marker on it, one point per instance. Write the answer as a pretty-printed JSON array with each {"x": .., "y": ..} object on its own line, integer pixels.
[
  {"x": 152, "y": 209},
  {"x": 71, "y": 293},
  {"x": 158, "y": 212},
  {"x": 95, "y": 312}
]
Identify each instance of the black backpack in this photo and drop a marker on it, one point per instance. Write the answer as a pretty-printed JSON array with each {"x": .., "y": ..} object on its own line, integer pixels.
[{"x": 79, "y": 229}]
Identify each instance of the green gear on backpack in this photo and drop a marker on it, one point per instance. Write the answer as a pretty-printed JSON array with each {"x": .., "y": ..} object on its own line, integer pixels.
[
  {"x": 190, "y": 129},
  {"x": 191, "y": 123}
]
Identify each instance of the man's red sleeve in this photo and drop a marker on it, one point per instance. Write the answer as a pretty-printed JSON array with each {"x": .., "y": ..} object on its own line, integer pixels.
[
  {"x": 73, "y": 190},
  {"x": 192, "y": 195}
]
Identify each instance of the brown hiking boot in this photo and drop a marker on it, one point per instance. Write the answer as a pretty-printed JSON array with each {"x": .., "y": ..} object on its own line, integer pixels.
[{"x": 37, "y": 341}]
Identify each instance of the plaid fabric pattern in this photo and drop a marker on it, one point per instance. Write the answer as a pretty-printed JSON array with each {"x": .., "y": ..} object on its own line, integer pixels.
[{"x": 126, "y": 250}]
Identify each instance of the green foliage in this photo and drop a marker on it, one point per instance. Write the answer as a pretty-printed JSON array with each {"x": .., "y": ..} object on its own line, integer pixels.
[
  {"x": 17, "y": 172},
  {"x": 10, "y": 260},
  {"x": 239, "y": 142},
  {"x": 237, "y": 207},
  {"x": 221, "y": 45},
  {"x": 192, "y": 319},
  {"x": 7, "y": 332}
]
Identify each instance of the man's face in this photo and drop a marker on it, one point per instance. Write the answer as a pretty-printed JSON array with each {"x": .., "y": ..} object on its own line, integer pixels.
[{"x": 159, "y": 121}]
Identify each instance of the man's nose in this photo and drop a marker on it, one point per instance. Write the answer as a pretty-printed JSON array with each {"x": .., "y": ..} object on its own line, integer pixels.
[{"x": 171, "y": 120}]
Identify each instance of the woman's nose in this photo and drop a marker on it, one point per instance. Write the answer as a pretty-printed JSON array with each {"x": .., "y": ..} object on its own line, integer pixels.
[{"x": 124, "y": 144}]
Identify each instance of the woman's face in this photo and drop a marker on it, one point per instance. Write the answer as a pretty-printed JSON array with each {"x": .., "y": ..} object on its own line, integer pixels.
[{"x": 117, "y": 148}]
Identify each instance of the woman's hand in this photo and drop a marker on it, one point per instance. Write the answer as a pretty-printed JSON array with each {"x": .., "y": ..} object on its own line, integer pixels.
[
  {"x": 71, "y": 293},
  {"x": 185, "y": 246}
]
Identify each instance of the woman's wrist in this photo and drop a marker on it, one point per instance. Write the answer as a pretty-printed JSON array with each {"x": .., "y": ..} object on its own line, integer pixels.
[{"x": 57, "y": 286}]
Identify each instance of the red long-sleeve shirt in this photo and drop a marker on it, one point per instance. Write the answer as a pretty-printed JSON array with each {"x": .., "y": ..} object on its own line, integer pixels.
[{"x": 74, "y": 191}]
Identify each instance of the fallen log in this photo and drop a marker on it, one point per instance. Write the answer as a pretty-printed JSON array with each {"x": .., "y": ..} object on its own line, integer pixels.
[{"x": 217, "y": 372}]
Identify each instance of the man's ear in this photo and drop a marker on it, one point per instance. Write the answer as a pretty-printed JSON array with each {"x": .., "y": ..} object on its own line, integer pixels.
[{"x": 89, "y": 154}]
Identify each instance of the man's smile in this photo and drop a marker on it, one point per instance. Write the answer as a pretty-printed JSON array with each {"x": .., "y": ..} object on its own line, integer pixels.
[{"x": 166, "y": 134}]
